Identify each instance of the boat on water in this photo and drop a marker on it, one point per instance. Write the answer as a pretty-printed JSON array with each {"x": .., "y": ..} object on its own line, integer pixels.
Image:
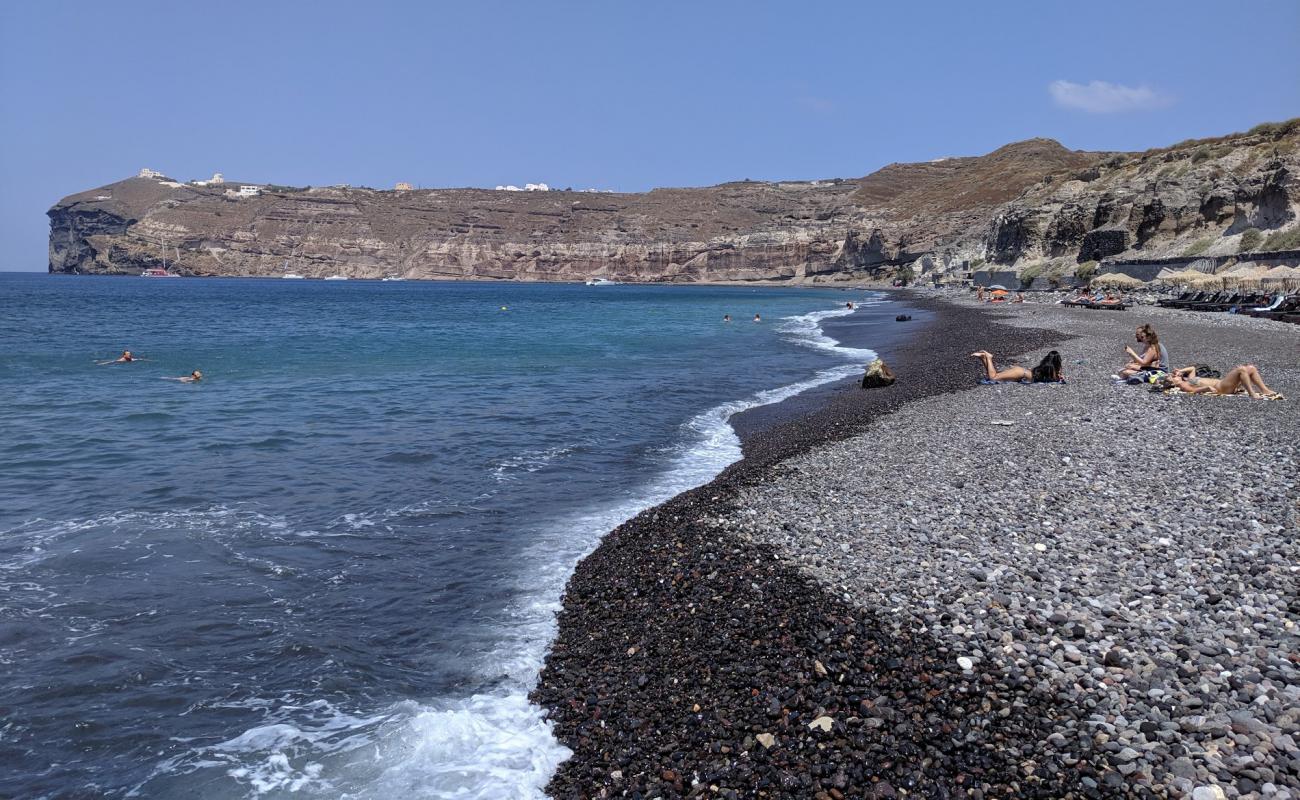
[
  {"x": 158, "y": 272},
  {"x": 336, "y": 278},
  {"x": 292, "y": 276},
  {"x": 394, "y": 278},
  {"x": 601, "y": 282}
]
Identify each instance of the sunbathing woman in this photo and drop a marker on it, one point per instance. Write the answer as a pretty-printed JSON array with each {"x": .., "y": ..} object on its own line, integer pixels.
[
  {"x": 1154, "y": 356},
  {"x": 1047, "y": 371},
  {"x": 1245, "y": 377}
]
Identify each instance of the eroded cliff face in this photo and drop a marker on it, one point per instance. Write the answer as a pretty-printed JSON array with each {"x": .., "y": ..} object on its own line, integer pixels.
[
  {"x": 735, "y": 232},
  {"x": 1027, "y": 202},
  {"x": 1196, "y": 198}
]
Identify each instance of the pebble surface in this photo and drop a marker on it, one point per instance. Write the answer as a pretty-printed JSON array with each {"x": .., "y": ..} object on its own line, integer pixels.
[{"x": 901, "y": 595}]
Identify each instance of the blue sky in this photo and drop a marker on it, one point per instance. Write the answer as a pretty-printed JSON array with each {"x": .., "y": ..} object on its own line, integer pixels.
[{"x": 616, "y": 95}]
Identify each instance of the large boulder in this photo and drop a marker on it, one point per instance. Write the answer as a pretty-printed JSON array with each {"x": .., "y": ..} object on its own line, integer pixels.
[{"x": 878, "y": 375}]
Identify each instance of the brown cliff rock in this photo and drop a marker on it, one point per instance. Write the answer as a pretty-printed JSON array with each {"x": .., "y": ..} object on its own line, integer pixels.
[{"x": 1029, "y": 203}]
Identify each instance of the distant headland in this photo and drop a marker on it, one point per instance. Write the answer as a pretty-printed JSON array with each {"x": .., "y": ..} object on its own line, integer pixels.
[{"x": 1034, "y": 207}]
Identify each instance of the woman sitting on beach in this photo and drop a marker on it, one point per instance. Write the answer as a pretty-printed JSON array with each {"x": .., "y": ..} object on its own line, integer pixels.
[
  {"x": 1245, "y": 377},
  {"x": 1047, "y": 371},
  {"x": 1154, "y": 356}
]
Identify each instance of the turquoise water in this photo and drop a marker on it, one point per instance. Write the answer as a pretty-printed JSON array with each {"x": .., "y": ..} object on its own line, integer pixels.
[{"x": 330, "y": 568}]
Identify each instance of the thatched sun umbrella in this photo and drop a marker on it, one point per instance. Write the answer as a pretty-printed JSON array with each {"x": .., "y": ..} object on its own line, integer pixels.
[
  {"x": 1118, "y": 279},
  {"x": 1183, "y": 278},
  {"x": 1280, "y": 274}
]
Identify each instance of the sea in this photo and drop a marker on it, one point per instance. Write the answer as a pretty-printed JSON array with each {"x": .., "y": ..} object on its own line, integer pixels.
[{"x": 330, "y": 568}]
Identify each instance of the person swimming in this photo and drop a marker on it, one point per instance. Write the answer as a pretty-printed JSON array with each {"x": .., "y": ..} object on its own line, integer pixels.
[
  {"x": 125, "y": 358},
  {"x": 193, "y": 377},
  {"x": 757, "y": 318},
  {"x": 848, "y": 305},
  {"x": 726, "y": 318}
]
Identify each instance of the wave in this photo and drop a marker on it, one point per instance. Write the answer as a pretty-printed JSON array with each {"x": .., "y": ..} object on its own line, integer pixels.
[
  {"x": 516, "y": 760},
  {"x": 508, "y": 469},
  {"x": 806, "y": 329},
  {"x": 494, "y": 743}
]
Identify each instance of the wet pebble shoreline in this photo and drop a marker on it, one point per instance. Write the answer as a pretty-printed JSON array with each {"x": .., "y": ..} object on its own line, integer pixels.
[{"x": 927, "y": 610}]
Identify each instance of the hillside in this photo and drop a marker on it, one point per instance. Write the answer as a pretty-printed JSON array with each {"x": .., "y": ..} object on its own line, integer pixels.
[{"x": 1033, "y": 203}]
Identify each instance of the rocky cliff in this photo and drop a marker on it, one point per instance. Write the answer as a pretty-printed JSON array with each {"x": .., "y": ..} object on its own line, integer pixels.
[{"x": 1032, "y": 203}]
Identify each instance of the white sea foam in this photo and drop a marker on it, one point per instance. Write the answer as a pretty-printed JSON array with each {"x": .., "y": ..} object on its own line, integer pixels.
[
  {"x": 495, "y": 744},
  {"x": 510, "y": 751},
  {"x": 806, "y": 329},
  {"x": 509, "y": 469}
]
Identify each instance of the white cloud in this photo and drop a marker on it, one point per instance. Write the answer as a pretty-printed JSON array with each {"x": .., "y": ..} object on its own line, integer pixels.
[{"x": 1100, "y": 97}]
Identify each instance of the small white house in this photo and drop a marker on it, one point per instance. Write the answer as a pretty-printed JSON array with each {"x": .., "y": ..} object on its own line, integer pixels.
[
  {"x": 215, "y": 180},
  {"x": 536, "y": 187},
  {"x": 249, "y": 191},
  {"x": 149, "y": 173}
]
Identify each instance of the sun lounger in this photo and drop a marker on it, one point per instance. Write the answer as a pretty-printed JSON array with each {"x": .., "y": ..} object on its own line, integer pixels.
[
  {"x": 1169, "y": 302},
  {"x": 1199, "y": 297},
  {"x": 1220, "y": 305},
  {"x": 1290, "y": 306}
]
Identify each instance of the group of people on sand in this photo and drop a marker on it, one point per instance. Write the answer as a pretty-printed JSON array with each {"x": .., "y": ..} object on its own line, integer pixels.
[
  {"x": 1096, "y": 298},
  {"x": 128, "y": 357},
  {"x": 997, "y": 296},
  {"x": 1150, "y": 366}
]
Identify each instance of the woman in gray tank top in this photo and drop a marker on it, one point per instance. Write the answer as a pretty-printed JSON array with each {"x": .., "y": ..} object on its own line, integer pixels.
[{"x": 1153, "y": 356}]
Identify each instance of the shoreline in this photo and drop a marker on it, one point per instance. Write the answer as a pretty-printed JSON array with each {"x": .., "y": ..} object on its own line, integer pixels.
[
  {"x": 648, "y": 683},
  {"x": 760, "y": 604}
]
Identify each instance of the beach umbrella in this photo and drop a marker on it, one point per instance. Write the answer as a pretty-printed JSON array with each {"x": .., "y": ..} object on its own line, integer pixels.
[
  {"x": 997, "y": 287},
  {"x": 1117, "y": 279},
  {"x": 999, "y": 292},
  {"x": 1246, "y": 271},
  {"x": 1280, "y": 274},
  {"x": 1201, "y": 279}
]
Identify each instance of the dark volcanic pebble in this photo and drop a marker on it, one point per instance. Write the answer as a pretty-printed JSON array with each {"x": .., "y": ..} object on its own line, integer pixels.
[{"x": 692, "y": 662}]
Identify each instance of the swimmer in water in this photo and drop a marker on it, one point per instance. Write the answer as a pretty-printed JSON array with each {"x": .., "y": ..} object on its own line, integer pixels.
[
  {"x": 726, "y": 318},
  {"x": 848, "y": 305},
  {"x": 193, "y": 377},
  {"x": 125, "y": 358},
  {"x": 757, "y": 318}
]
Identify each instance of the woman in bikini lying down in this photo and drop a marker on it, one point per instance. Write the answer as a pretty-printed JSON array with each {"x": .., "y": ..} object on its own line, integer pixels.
[
  {"x": 1245, "y": 377},
  {"x": 1047, "y": 371}
]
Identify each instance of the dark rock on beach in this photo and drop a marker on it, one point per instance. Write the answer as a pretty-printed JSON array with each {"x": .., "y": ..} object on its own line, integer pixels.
[{"x": 878, "y": 375}]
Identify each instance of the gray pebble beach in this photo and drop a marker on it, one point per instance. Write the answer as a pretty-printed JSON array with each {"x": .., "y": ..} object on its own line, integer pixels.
[{"x": 1132, "y": 555}]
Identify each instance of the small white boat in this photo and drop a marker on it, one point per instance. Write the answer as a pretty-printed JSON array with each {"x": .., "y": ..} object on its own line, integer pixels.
[
  {"x": 158, "y": 272},
  {"x": 601, "y": 282},
  {"x": 336, "y": 278},
  {"x": 292, "y": 276},
  {"x": 394, "y": 278}
]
